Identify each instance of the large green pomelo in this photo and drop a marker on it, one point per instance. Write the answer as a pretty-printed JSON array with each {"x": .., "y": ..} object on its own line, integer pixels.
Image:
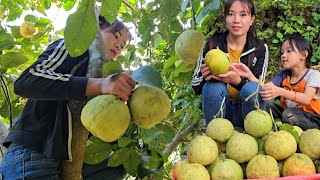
[
  {"x": 148, "y": 105},
  {"x": 242, "y": 147},
  {"x": 106, "y": 117},
  {"x": 309, "y": 143},
  {"x": 227, "y": 169},
  {"x": 262, "y": 166},
  {"x": 217, "y": 61},
  {"x": 220, "y": 130},
  {"x": 193, "y": 171},
  {"x": 298, "y": 164},
  {"x": 189, "y": 45},
  {"x": 202, "y": 150},
  {"x": 280, "y": 145},
  {"x": 258, "y": 123}
]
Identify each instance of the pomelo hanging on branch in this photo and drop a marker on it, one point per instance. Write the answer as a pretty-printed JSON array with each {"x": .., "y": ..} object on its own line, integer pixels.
[
  {"x": 28, "y": 30},
  {"x": 149, "y": 105},
  {"x": 106, "y": 117},
  {"x": 189, "y": 45},
  {"x": 217, "y": 61}
]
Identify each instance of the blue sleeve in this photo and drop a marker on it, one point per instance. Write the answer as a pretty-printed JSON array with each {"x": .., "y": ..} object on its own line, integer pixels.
[
  {"x": 277, "y": 80},
  {"x": 49, "y": 77}
]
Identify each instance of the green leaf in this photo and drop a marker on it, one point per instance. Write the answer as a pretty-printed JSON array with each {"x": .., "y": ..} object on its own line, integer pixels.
[
  {"x": 150, "y": 163},
  {"x": 111, "y": 67},
  {"x": 43, "y": 22},
  {"x": 124, "y": 141},
  {"x": 68, "y": 5},
  {"x": 45, "y": 4},
  {"x": 289, "y": 128},
  {"x": 169, "y": 62},
  {"x": 81, "y": 29},
  {"x": 109, "y": 9},
  {"x": 148, "y": 76},
  {"x": 279, "y": 35},
  {"x": 30, "y": 18},
  {"x": 12, "y": 59},
  {"x": 15, "y": 31},
  {"x": 132, "y": 163},
  {"x": 159, "y": 136},
  {"x": 119, "y": 157},
  {"x": 157, "y": 39},
  {"x": 213, "y": 6},
  {"x": 6, "y": 40},
  {"x": 97, "y": 150}
]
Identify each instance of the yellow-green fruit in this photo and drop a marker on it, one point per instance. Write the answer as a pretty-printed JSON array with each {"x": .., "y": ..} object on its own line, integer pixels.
[
  {"x": 217, "y": 61},
  {"x": 220, "y": 130},
  {"x": 202, "y": 150},
  {"x": 298, "y": 164},
  {"x": 298, "y": 129},
  {"x": 189, "y": 45},
  {"x": 148, "y": 105},
  {"x": 227, "y": 169},
  {"x": 220, "y": 157},
  {"x": 27, "y": 29},
  {"x": 106, "y": 117},
  {"x": 177, "y": 168},
  {"x": 242, "y": 147},
  {"x": 309, "y": 143},
  {"x": 258, "y": 123},
  {"x": 193, "y": 171},
  {"x": 262, "y": 166},
  {"x": 280, "y": 145}
]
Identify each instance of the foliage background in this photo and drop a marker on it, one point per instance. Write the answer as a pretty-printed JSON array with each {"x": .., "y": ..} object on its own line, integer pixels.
[{"x": 157, "y": 23}]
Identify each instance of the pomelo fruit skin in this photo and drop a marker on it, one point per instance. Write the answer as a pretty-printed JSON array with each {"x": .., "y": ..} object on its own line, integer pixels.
[
  {"x": 298, "y": 164},
  {"x": 220, "y": 130},
  {"x": 309, "y": 143},
  {"x": 227, "y": 169},
  {"x": 241, "y": 147},
  {"x": 258, "y": 123},
  {"x": 27, "y": 29},
  {"x": 192, "y": 171},
  {"x": 189, "y": 44},
  {"x": 262, "y": 166},
  {"x": 280, "y": 145},
  {"x": 148, "y": 105},
  {"x": 106, "y": 117},
  {"x": 202, "y": 150},
  {"x": 217, "y": 61}
]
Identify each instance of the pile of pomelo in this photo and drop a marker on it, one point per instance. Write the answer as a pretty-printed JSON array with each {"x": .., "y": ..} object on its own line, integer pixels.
[{"x": 261, "y": 151}]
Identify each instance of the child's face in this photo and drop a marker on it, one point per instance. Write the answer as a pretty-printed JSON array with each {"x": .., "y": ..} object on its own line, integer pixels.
[
  {"x": 239, "y": 19},
  {"x": 114, "y": 42},
  {"x": 290, "y": 57}
]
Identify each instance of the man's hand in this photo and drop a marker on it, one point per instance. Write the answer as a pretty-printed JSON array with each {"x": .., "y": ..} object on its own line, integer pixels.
[{"x": 119, "y": 84}]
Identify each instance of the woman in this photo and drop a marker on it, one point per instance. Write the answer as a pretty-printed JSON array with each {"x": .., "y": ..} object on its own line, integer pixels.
[
  {"x": 40, "y": 139},
  {"x": 242, "y": 46}
]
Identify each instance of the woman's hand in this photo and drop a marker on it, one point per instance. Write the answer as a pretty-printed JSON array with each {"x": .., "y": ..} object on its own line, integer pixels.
[
  {"x": 269, "y": 91},
  {"x": 244, "y": 71},
  {"x": 119, "y": 84},
  {"x": 205, "y": 71},
  {"x": 231, "y": 77}
]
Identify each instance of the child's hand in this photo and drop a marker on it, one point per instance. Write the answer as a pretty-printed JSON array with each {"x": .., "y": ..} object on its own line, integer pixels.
[
  {"x": 231, "y": 77},
  {"x": 269, "y": 91},
  {"x": 119, "y": 84}
]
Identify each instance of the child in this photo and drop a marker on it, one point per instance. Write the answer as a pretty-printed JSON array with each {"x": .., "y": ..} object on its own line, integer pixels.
[{"x": 297, "y": 85}]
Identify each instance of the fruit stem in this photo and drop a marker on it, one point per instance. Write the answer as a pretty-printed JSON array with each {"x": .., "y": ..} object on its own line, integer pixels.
[
  {"x": 256, "y": 92},
  {"x": 220, "y": 112},
  {"x": 274, "y": 123}
]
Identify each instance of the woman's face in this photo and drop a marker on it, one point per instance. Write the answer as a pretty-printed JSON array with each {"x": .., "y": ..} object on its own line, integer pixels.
[
  {"x": 239, "y": 19},
  {"x": 114, "y": 42}
]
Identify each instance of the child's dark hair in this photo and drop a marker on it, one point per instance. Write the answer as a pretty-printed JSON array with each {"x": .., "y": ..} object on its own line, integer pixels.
[
  {"x": 252, "y": 34},
  {"x": 301, "y": 44},
  {"x": 114, "y": 27}
]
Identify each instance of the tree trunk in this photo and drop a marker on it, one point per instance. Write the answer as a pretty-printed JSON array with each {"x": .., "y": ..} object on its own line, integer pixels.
[{"x": 73, "y": 170}]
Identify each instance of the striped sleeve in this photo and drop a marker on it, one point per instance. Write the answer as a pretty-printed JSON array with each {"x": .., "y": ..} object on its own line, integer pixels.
[
  {"x": 49, "y": 77},
  {"x": 197, "y": 78}
]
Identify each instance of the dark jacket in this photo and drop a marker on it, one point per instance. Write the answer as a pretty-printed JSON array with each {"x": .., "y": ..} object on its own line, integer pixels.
[
  {"x": 258, "y": 65},
  {"x": 45, "y": 123}
]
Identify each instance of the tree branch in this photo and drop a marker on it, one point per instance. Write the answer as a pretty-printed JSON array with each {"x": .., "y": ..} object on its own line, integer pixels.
[{"x": 179, "y": 139}]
